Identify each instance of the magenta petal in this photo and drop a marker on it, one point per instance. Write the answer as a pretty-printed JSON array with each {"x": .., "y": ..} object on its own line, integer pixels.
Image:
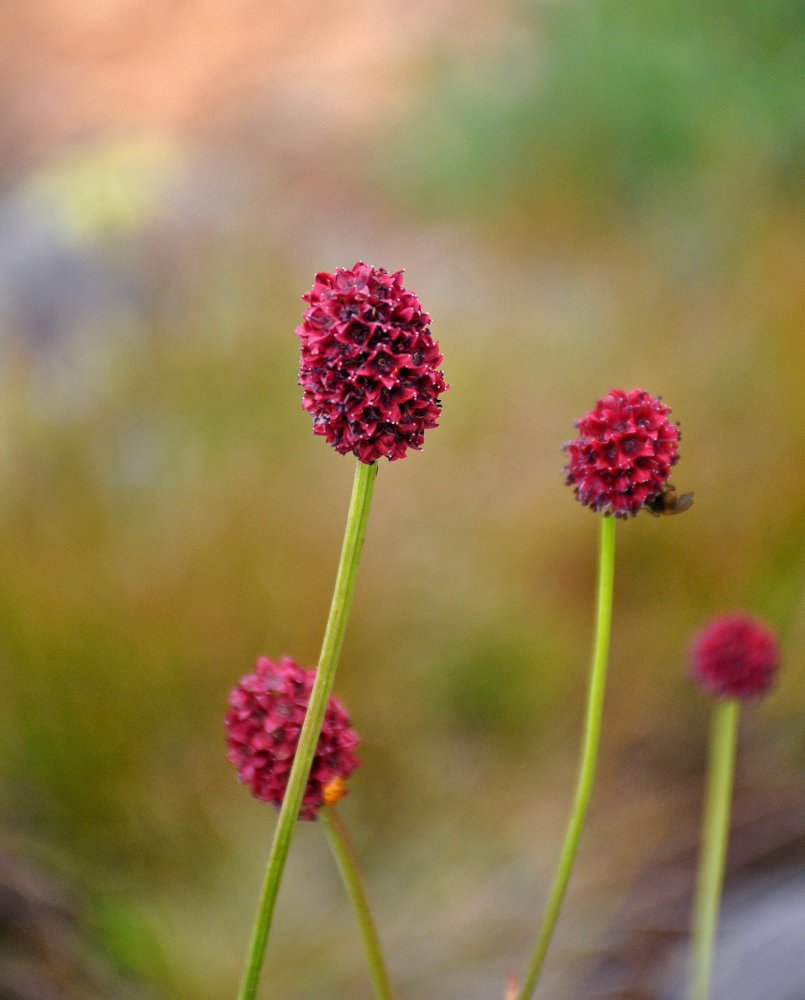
[
  {"x": 267, "y": 708},
  {"x": 622, "y": 457},
  {"x": 365, "y": 341},
  {"x": 735, "y": 656}
]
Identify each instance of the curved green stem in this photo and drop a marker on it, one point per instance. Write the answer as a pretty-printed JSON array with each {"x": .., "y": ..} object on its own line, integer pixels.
[
  {"x": 353, "y": 883},
  {"x": 589, "y": 754},
  {"x": 357, "y": 518},
  {"x": 715, "y": 835}
]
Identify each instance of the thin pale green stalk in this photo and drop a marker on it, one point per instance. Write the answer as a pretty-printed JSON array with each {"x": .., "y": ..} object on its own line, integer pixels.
[
  {"x": 353, "y": 883},
  {"x": 357, "y": 518},
  {"x": 715, "y": 835},
  {"x": 589, "y": 754}
]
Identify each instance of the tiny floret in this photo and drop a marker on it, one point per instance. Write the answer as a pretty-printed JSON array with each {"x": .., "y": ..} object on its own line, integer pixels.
[
  {"x": 735, "y": 656},
  {"x": 266, "y": 711},
  {"x": 622, "y": 458},
  {"x": 369, "y": 366}
]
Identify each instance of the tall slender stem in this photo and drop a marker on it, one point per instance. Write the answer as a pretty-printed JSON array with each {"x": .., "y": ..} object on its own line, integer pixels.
[
  {"x": 589, "y": 754},
  {"x": 357, "y": 518},
  {"x": 715, "y": 834},
  {"x": 353, "y": 883}
]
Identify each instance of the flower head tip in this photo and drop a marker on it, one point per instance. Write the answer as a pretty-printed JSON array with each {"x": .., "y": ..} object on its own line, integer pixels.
[
  {"x": 735, "y": 656},
  {"x": 369, "y": 366},
  {"x": 266, "y": 711},
  {"x": 622, "y": 457}
]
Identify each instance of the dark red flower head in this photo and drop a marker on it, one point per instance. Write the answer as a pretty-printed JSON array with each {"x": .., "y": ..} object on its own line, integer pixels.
[
  {"x": 623, "y": 455},
  {"x": 369, "y": 366},
  {"x": 735, "y": 656},
  {"x": 266, "y": 712}
]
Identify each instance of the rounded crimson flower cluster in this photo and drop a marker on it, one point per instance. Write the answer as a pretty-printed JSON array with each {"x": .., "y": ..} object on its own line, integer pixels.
[
  {"x": 266, "y": 711},
  {"x": 369, "y": 366},
  {"x": 735, "y": 656},
  {"x": 623, "y": 455}
]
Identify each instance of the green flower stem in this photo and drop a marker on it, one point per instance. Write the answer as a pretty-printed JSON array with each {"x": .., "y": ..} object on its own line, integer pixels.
[
  {"x": 589, "y": 753},
  {"x": 715, "y": 834},
  {"x": 362, "y": 488},
  {"x": 353, "y": 883}
]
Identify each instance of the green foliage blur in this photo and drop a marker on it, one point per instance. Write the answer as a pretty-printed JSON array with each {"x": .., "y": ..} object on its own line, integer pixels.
[
  {"x": 614, "y": 112},
  {"x": 609, "y": 194}
]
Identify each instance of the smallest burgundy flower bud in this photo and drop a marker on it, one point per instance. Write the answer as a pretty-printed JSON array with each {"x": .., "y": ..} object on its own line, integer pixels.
[
  {"x": 266, "y": 710},
  {"x": 621, "y": 460},
  {"x": 735, "y": 656}
]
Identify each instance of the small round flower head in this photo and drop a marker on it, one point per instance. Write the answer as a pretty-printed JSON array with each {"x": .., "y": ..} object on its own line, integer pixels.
[
  {"x": 369, "y": 366},
  {"x": 735, "y": 656},
  {"x": 266, "y": 711},
  {"x": 623, "y": 455}
]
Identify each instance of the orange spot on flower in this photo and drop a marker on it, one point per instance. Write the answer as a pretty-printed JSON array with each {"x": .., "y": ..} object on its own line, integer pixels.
[{"x": 334, "y": 790}]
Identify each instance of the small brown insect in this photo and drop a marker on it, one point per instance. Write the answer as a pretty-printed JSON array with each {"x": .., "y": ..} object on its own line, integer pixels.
[{"x": 668, "y": 502}]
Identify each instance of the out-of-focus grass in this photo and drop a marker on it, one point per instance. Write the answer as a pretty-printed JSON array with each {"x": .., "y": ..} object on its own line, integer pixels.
[
  {"x": 610, "y": 112},
  {"x": 166, "y": 514}
]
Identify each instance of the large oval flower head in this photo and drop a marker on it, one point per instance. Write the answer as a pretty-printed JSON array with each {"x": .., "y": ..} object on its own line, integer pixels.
[
  {"x": 735, "y": 656},
  {"x": 369, "y": 366},
  {"x": 266, "y": 711},
  {"x": 623, "y": 455}
]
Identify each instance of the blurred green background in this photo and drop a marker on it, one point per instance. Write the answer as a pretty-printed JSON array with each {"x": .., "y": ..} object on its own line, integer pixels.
[{"x": 584, "y": 195}]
